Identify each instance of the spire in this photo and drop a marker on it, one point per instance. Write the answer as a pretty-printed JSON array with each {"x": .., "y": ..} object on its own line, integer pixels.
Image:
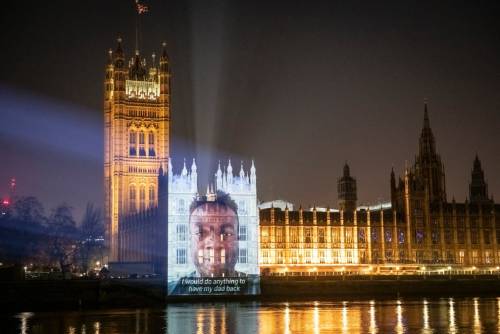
[
  {"x": 110, "y": 57},
  {"x": 184, "y": 169},
  {"x": 193, "y": 166},
  {"x": 427, "y": 124},
  {"x": 164, "y": 59},
  {"x": 346, "y": 170},
  {"x": 242, "y": 172},
  {"x": 427, "y": 142},
  {"x": 346, "y": 190},
  {"x": 252, "y": 168},
  {"x": 478, "y": 188},
  {"x": 219, "y": 171},
  {"x": 164, "y": 54},
  {"x": 118, "y": 55},
  {"x": 119, "y": 48},
  {"x": 393, "y": 179}
]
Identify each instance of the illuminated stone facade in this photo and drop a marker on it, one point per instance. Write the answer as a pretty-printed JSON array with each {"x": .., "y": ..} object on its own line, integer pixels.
[
  {"x": 420, "y": 227},
  {"x": 183, "y": 189},
  {"x": 136, "y": 141}
]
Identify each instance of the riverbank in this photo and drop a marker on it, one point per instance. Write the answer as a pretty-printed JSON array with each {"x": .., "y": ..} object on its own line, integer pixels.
[{"x": 85, "y": 294}]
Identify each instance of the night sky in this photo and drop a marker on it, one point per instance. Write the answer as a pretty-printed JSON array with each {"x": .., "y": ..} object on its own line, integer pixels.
[{"x": 301, "y": 87}]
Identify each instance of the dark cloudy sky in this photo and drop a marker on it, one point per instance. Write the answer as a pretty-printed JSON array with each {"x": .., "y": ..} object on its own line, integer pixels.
[{"x": 301, "y": 87}]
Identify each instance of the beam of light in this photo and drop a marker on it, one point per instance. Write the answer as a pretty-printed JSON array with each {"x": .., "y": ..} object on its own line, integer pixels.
[
  {"x": 48, "y": 124},
  {"x": 207, "y": 50}
]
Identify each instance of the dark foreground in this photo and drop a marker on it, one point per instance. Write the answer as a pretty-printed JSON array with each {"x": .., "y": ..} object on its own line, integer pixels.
[
  {"x": 352, "y": 315},
  {"x": 32, "y": 295}
]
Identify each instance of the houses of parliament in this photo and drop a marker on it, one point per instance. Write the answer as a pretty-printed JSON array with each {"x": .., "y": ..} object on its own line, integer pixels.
[{"x": 419, "y": 226}]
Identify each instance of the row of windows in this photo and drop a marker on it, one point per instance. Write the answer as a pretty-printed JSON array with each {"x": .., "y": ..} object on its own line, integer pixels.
[
  {"x": 181, "y": 232},
  {"x": 347, "y": 256},
  {"x": 133, "y": 200},
  {"x": 143, "y": 113},
  {"x": 277, "y": 234},
  {"x": 181, "y": 207},
  {"x": 137, "y": 144},
  {"x": 208, "y": 256},
  {"x": 309, "y": 257}
]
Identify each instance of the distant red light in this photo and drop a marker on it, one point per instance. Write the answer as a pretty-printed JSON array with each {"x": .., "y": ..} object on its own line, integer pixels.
[{"x": 5, "y": 202}]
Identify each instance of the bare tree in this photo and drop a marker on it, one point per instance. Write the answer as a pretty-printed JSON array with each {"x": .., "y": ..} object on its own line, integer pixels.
[
  {"x": 91, "y": 246},
  {"x": 63, "y": 245}
]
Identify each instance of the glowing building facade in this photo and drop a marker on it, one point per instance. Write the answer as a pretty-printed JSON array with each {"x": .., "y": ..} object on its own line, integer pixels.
[
  {"x": 419, "y": 227},
  {"x": 136, "y": 143},
  {"x": 183, "y": 189}
]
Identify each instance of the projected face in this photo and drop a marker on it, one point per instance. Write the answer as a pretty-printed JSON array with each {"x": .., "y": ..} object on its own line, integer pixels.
[{"x": 214, "y": 239}]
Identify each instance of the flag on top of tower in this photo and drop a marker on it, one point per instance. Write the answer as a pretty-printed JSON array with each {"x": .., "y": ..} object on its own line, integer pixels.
[{"x": 141, "y": 8}]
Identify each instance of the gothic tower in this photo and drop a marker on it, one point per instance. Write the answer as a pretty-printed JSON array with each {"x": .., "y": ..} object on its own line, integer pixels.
[
  {"x": 346, "y": 188},
  {"x": 136, "y": 137},
  {"x": 428, "y": 166},
  {"x": 478, "y": 188}
]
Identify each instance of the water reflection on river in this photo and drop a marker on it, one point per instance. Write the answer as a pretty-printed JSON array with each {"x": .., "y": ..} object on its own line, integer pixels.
[{"x": 464, "y": 315}]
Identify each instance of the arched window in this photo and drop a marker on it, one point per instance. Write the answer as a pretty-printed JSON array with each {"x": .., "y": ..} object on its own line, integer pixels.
[
  {"x": 132, "y": 143},
  {"x": 142, "y": 198},
  {"x": 151, "y": 196},
  {"x": 151, "y": 143},
  {"x": 132, "y": 197},
  {"x": 142, "y": 149}
]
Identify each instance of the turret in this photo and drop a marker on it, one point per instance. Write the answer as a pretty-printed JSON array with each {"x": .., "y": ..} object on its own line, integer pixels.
[
  {"x": 184, "y": 169},
  {"x": 194, "y": 177},
  {"x": 393, "y": 188},
  {"x": 229, "y": 173},
  {"x": 429, "y": 170},
  {"x": 164, "y": 75},
  {"x": 242, "y": 172},
  {"x": 119, "y": 70},
  {"x": 108, "y": 80},
  {"x": 347, "y": 193},
  {"x": 218, "y": 177},
  {"x": 253, "y": 175},
  {"x": 478, "y": 188}
]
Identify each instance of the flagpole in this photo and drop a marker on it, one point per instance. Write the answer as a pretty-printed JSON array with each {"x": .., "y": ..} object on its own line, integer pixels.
[{"x": 136, "y": 27}]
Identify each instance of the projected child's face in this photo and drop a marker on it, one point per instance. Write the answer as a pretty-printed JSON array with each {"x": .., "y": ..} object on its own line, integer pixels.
[{"x": 214, "y": 239}]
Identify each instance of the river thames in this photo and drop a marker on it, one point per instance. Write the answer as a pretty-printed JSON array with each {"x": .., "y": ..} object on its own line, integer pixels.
[{"x": 423, "y": 315}]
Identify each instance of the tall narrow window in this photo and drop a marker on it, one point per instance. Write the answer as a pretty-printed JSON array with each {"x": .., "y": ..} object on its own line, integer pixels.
[
  {"x": 132, "y": 143},
  {"x": 243, "y": 233},
  {"x": 142, "y": 198},
  {"x": 222, "y": 256},
  {"x": 132, "y": 195},
  {"x": 151, "y": 143},
  {"x": 142, "y": 149},
  {"x": 181, "y": 232},
  {"x": 181, "y": 256},
  {"x": 151, "y": 196},
  {"x": 242, "y": 258}
]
